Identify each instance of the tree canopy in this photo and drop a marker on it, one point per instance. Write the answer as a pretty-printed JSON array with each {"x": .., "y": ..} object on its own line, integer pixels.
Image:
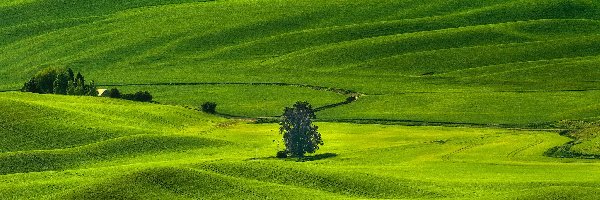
[
  {"x": 299, "y": 134},
  {"x": 59, "y": 81}
]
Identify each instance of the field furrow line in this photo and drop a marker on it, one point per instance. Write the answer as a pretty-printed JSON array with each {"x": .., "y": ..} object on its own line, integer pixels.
[
  {"x": 515, "y": 152},
  {"x": 447, "y": 157}
]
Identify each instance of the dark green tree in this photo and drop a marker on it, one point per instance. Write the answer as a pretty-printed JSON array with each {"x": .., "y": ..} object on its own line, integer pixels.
[
  {"x": 299, "y": 134},
  {"x": 71, "y": 74},
  {"x": 45, "y": 80},
  {"x": 61, "y": 83},
  {"x": 30, "y": 86},
  {"x": 71, "y": 88},
  {"x": 92, "y": 90},
  {"x": 79, "y": 80}
]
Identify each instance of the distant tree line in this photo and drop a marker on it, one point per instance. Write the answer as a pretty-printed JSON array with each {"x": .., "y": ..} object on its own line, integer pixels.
[
  {"x": 60, "y": 81},
  {"x": 65, "y": 82}
]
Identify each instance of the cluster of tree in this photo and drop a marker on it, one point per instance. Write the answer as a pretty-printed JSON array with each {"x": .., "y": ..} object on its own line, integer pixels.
[
  {"x": 299, "y": 134},
  {"x": 143, "y": 96},
  {"x": 59, "y": 81}
]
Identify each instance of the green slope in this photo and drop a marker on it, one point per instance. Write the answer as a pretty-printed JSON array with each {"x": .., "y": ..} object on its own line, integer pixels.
[
  {"x": 197, "y": 156},
  {"x": 40, "y": 122},
  {"x": 377, "y": 47}
]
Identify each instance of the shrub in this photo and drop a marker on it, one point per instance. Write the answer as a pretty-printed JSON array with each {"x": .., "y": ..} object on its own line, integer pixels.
[
  {"x": 351, "y": 99},
  {"x": 282, "y": 154},
  {"x": 142, "y": 96},
  {"x": 209, "y": 107},
  {"x": 114, "y": 93}
]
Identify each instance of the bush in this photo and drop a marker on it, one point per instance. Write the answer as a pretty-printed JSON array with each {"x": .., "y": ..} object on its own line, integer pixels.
[
  {"x": 209, "y": 107},
  {"x": 114, "y": 93},
  {"x": 282, "y": 154},
  {"x": 351, "y": 99},
  {"x": 142, "y": 96}
]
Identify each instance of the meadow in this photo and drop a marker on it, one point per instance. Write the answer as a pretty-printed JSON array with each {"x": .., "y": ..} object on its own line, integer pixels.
[
  {"x": 485, "y": 88},
  {"x": 239, "y": 100},
  {"x": 172, "y": 152},
  {"x": 388, "y": 49}
]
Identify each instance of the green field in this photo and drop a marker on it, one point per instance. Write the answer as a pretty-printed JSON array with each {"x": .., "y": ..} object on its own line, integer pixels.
[
  {"x": 242, "y": 100},
  {"x": 171, "y": 152},
  {"x": 382, "y": 47},
  {"x": 486, "y": 87}
]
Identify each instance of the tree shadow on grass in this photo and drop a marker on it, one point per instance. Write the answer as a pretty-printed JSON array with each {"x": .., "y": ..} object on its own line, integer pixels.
[
  {"x": 305, "y": 159},
  {"x": 319, "y": 156}
]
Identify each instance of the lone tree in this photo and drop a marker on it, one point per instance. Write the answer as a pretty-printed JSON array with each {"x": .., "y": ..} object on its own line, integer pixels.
[{"x": 299, "y": 134}]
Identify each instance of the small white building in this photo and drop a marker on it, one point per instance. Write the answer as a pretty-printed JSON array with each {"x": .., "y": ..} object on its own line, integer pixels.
[{"x": 102, "y": 92}]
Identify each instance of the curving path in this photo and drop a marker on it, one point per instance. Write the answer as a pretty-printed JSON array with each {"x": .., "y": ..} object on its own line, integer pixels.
[{"x": 350, "y": 93}]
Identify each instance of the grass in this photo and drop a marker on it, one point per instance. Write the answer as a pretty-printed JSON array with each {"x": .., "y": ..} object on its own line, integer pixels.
[
  {"x": 213, "y": 158},
  {"x": 430, "y": 46},
  {"x": 585, "y": 143},
  {"x": 516, "y": 63},
  {"x": 48, "y": 121},
  {"x": 241, "y": 100},
  {"x": 519, "y": 108}
]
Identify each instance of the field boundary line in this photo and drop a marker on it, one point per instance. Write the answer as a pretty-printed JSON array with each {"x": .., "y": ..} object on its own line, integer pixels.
[{"x": 314, "y": 87}]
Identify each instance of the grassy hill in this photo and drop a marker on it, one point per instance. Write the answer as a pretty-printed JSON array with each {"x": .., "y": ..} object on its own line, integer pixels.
[
  {"x": 494, "y": 63},
  {"x": 381, "y": 48},
  {"x": 162, "y": 151}
]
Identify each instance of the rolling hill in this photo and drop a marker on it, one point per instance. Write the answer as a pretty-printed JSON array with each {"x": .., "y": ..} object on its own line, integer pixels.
[
  {"x": 472, "y": 68},
  {"x": 162, "y": 151},
  {"x": 383, "y": 49}
]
